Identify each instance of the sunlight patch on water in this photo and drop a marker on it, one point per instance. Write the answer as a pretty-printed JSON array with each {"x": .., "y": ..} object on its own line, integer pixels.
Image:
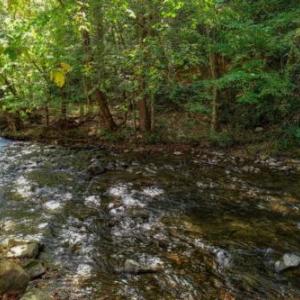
[
  {"x": 92, "y": 201},
  {"x": 127, "y": 197},
  {"x": 53, "y": 205},
  {"x": 118, "y": 190},
  {"x": 23, "y": 187},
  {"x": 130, "y": 201},
  {"x": 43, "y": 225},
  {"x": 152, "y": 191},
  {"x": 84, "y": 270}
]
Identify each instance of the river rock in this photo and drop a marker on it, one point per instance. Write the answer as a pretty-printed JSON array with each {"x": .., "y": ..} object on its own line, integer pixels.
[
  {"x": 223, "y": 258},
  {"x": 36, "y": 294},
  {"x": 95, "y": 168},
  {"x": 26, "y": 250},
  {"x": 250, "y": 169},
  {"x": 13, "y": 278},
  {"x": 177, "y": 153},
  {"x": 8, "y": 225},
  {"x": 133, "y": 267},
  {"x": 259, "y": 129},
  {"x": 35, "y": 269},
  {"x": 288, "y": 261}
]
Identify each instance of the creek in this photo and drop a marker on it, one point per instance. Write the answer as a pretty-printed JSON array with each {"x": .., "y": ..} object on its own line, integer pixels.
[{"x": 208, "y": 226}]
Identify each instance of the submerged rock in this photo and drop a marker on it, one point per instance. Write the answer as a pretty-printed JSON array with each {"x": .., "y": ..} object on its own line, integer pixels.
[
  {"x": 288, "y": 261},
  {"x": 259, "y": 129},
  {"x": 36, "y": 294},
  {"x": 92, "y": 201},
  {"x": 35, "y": 269},
  {"x": 8, "y": 225},
  {"x": 52, "y": 205},
  {"x": 26, "y": 250},
  {"x": 95, "y": 168},
  {"x": 13, "y": 278},
  {"x": 223, "y": 258},
  {"x": 150, "y": 266},
  {"x": 178, "y": 153}
]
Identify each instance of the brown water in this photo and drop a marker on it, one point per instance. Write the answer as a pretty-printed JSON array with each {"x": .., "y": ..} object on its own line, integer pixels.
[{"x": 206, "y": 227}]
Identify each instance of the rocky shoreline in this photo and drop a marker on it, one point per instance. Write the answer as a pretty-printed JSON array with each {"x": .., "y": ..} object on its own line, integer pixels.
[{"x": 20, "y": 264}]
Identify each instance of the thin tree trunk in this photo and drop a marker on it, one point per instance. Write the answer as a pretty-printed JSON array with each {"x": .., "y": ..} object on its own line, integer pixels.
[
  {"x": 145, "y": 115},
  {"x": 81, "y": 111},
  {"x": 47, "y": 118},
  {"x": 63, "y": 110},
  {"x": 213, "y": 76},
  {"x": 87, "y": 61},
  {"x": 145, "y": 121},
  {"x": 14, "y": 121},
  {"x": 152, "y": 114}
]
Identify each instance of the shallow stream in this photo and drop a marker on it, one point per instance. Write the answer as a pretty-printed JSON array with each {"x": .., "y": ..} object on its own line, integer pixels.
[{"x": 202, "y": 227}]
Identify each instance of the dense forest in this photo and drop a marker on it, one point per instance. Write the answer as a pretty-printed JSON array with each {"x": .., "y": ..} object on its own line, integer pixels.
[
  {"x": 226, "y": 71},
  {"x": 149, "y": 149}
]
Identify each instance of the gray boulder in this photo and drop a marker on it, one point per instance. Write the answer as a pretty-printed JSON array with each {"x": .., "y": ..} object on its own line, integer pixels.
[
  {"x": 26, "y": 250},
  {"x": 13, "y": 278},
  {"x": 288, "y": 261},
  {"x": 35, "y": 269}
]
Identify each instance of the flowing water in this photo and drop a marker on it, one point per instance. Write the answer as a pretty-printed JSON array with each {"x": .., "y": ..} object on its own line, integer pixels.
[{"x": 202, "y": 227}]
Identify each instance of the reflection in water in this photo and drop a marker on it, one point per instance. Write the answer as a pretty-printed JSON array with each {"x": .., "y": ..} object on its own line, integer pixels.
[
  {"x": 3, "y": 142},
  {"x": 166, "y": 228}
]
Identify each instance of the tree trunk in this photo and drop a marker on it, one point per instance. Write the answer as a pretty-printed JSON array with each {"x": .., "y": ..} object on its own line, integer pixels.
[
  {"x": 87, "y": 85},
  {"x": 214, "y": 110},
  {"x": 145, "y": 115},
  {"x": 144, "y": 104},
  {"x": 81, "y": 111},
  {"x": 215, "y": 94},
  {"x": 152, "y": 114},
  {"x": 96, "y": 56},
  {"x": 106, "y": 118},
  {"x": 47, "y": 118},
  {"x": 63, "y": 110}
]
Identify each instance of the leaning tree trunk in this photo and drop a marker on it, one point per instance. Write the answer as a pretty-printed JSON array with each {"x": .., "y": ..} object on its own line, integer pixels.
[
  {"x": 97, "y": 56},
  {"x": 106, "y": 118}
]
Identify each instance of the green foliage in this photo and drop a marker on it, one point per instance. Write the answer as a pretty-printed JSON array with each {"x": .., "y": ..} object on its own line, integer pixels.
[
  {"x": 153, "y": 138},
  {"x": 290, "y": 137},
  {"x": 221, "y": 139},
  {"x": 241, "y": 56},
  {"x": 196, "y": 107}
]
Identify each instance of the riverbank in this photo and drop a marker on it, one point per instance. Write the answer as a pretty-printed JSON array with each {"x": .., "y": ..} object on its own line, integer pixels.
[{"x": 262, "y": 146}]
